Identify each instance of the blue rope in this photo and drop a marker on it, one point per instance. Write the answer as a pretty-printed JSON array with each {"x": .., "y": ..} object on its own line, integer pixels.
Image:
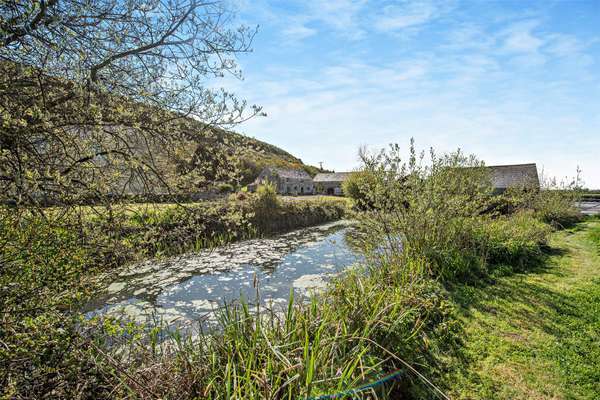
[{"x": 358, "y": 390}]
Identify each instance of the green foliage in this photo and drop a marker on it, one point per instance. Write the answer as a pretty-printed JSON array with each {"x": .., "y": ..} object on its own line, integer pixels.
[
  {"x": 266, "y": 197},
  {"x": 357, "y": 186},
  {"x": 554, "y": 204},
  {"x": 557, "y": 207},
  {"x": 225, "y": 188},
  {"x": 514, "y": 241},
  {"x": 447, "y": 212},
  {"x": 426, "y": 211},
  {"x": 40, "y": 262},
  {"x": 42, "y": 277},
  {"x": 595, "y": 236}
]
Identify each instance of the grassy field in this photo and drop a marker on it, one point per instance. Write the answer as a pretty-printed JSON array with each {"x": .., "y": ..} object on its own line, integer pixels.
[{"x": 536, "y": 335}]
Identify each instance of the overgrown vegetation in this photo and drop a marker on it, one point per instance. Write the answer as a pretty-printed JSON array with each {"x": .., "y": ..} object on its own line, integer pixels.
[
  {"x": 595, "y": 236},
  {"x": 49, "y": 264},
  {"x": 426, "y": 228}
]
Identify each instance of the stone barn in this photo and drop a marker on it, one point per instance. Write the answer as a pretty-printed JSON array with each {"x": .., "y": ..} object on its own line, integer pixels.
[
  {"x": 514, "y": 176},
  {"x": 330, "y": 183},
  {"x": 287, "y": 180}
]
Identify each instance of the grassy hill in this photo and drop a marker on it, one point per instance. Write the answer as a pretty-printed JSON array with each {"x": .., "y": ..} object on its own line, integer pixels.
[
  {"x": 258, "y": 154},
  {"x": 64, "y": 143}
]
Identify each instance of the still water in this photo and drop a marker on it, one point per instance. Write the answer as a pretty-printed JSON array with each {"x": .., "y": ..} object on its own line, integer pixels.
[{"x": 190, "y": 288}]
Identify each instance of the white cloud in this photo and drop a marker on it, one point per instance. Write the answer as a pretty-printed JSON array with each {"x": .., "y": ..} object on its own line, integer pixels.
[
  {"x": 480, "y": 87},
  {"x": 519, "y": 38},
  {"x": 299, "y": 32},
  {"x": 561, "y": 45},
  {"x": 406, "y": 14},
  {"x": 342, "y": 15}
]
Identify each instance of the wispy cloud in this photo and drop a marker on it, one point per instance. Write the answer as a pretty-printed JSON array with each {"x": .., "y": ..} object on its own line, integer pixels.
[
  {"x": 309, "y": 17},
  {"x": 408, "y": 14},
  {"x": 508, "y": 86},
  {"x": 342, "y": 15},
  {"x": 298, "y": 32},
  {"x": 520, "y": 38},
  {"x": 562, "y": 45}
]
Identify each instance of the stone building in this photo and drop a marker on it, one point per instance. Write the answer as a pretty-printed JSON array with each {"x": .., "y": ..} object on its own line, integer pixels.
[
  {"x": 288, "y": 181},
  {"x": 514, "y": 176},
  {"x": 330, "y": 183}
]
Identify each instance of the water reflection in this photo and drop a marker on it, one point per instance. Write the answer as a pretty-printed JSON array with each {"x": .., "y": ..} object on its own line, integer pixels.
[{"x": 188, "y": 288}]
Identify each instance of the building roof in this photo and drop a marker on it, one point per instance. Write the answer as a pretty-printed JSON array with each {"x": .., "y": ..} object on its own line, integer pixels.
[
  {"x": 331, "y": 177},
  {"x": 289, "y": 173},
  {"x": 518, "y": 175}
]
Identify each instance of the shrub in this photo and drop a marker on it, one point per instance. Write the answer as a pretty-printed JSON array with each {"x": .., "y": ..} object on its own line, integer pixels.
[
  {"x": 515, "y": 240},
  {"x": 426, "y": 211},
  {"x": 43, "y": 269},
  {"x": 555, "y": 203},
  {"x": 357, "y": 187},
  {"x": 266, "y": 197},
  {"x": 225, "y": 188},
  {"x": 557, "y": 207}
]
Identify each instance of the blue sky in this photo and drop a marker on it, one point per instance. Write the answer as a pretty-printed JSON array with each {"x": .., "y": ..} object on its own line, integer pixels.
[{"x": 508, "y": 81}]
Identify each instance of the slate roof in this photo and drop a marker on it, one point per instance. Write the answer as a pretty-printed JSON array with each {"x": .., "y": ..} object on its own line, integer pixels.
[
  {"x": 331, "y": 177},
  {"x": 518, "y": 175},
  {"x": 289, "y": 173}
]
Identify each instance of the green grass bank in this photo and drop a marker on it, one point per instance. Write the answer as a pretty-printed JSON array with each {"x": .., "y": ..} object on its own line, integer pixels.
[{"x": 535, "y": 335}]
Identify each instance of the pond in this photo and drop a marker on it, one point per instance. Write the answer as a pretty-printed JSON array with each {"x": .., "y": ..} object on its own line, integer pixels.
[
  {"x": 189, "y": 288},
  {"x": 589, "y": 207}
]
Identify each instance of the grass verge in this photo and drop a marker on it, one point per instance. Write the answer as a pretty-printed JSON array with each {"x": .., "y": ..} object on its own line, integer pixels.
[{"x": 535, "y": 335}]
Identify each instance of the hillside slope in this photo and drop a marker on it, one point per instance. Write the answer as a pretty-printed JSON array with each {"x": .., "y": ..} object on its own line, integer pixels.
[
  {"x": 64, "y": 143},
  {"x": 257, "y": 154}
]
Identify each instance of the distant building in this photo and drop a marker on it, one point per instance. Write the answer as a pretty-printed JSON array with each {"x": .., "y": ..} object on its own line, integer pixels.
[
  {"x": 514, "y": 176},
  {"x": 287, "y": 180},
  {"x": 330, "y": 183}
]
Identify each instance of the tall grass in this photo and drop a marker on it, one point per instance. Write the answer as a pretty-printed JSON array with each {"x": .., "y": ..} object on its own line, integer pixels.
[
  {"x": 595, "y": 237},
  {"x": 367, "y": 326}
]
